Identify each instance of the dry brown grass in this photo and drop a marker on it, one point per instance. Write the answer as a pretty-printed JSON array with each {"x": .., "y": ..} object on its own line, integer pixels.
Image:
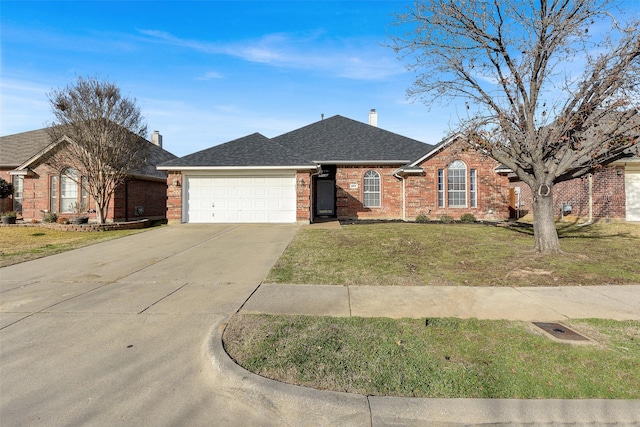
[
  {"x": 397, "y": 254},
  {"x": 19, "y": 244}
]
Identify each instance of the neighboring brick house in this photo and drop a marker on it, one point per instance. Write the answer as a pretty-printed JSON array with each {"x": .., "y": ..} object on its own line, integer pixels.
[
  {"x": 610, "y": 193},
  {"x": 38, "y": 188},
  {"x": 337, "y": 168}
]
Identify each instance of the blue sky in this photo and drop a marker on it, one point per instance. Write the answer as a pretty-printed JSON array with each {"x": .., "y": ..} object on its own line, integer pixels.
[{"x": 207, "y": 72}]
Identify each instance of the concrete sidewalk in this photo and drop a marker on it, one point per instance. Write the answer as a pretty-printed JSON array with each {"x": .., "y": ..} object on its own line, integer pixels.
[
  {"x": 294, "y": 405},
  {"x": 543, "y": 304}
]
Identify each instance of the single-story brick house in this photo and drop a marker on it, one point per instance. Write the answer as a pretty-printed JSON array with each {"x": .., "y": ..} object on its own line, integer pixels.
[
  {"x": 39, "y": 189},
  {"x": 336, "y": 167}
]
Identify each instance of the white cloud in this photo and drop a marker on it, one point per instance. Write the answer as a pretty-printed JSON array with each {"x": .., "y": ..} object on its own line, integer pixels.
[
  {"x": 359, "y": 59},
  {"x": 210, "y": 75},
  {"x": 187, "y": 126},
  {"x": 24, "y": 106}
]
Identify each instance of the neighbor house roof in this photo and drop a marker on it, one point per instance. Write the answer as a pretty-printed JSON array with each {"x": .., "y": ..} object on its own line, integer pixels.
[
  {"x": 253, "y": 150},
  {"x": 20, "y": 147},
  {"x": 334, "y": 140},
  {"x": 21, "y": 150}
]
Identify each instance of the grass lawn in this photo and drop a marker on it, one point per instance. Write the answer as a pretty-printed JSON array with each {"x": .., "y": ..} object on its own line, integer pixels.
[
  {"x": 448, "y": 358},
  {"x": 389, "y": 254},
  {"x": 19, "y": 244}
]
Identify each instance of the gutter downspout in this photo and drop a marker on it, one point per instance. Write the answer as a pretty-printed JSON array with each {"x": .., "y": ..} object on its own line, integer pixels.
[
  {"x": 590, "y": 221},
  {"x": 404, "y": 204},
  {"x": 126, "y": 201},
  {"x": 590, "y": 198}
]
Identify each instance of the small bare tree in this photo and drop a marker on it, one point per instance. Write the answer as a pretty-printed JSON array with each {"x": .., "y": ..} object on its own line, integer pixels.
[
  {"x": 100, "y": 134},
  {"x": 551, "y": 86}
]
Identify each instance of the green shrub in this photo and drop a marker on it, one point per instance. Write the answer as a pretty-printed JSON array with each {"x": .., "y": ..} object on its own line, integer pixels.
[
  {"x": 468, "y": 217},
  {"x": 422, "y": 218},
  {"x": 446, "y": 219},
  {"x": 50, "y": 217},
  {"x": 6, "y": 189}
]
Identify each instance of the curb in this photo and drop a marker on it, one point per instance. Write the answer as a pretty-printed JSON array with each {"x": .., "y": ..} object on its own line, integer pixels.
[{"x": 278, "y": 404}]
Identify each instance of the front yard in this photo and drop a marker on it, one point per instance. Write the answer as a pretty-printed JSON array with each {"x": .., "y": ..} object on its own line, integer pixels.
[
  {"x": 392, "y": 254},
  {"x": 449, "y": 358}
]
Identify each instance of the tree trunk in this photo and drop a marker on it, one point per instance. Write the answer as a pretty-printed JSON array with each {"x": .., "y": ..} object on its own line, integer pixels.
[
  {"x": 102, "y": 207},
  {"x": 100, "y": 212},
  {"x": 544, "y": 226}
]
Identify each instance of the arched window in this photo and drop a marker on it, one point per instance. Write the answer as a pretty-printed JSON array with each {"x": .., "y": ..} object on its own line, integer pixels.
[
  {"x": 371, "y": 189},
  {"x": 457, "y": 184},
  {"x": 459, "y": 188}
]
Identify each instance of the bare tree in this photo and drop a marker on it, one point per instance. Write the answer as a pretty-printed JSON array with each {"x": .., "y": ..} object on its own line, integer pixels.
[
  {"x": 100, "y": 134},
  {"x": 551, "y": 86}
]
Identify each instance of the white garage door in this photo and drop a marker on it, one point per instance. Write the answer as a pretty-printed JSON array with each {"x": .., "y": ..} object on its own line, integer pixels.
[
  {"x": 241, "y": 199},
  {"x": 632, "y": 185}
]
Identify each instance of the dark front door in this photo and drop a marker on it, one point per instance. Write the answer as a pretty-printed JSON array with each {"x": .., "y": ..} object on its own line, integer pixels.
[{"x": 325, "y": 197}]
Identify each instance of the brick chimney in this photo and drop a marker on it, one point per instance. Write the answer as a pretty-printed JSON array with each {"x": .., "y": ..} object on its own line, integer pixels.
[
  {"x": 156, "y": 138},
  {"x": 373, "y": 117}
]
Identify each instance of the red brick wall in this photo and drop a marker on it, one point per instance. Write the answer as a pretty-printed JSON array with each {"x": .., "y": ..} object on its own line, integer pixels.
[
  {"x": 609, "y": 199},
  {"x": 37, "y": 198},
  {"x": 492, "y": 188},
  {"x": 151, "y": 196},
  {"x": 35, "y": 195},
  {"x": 349, "y": 193},
  {"x": 303, "y": 196},
  {"x": 174, "y": 196}
]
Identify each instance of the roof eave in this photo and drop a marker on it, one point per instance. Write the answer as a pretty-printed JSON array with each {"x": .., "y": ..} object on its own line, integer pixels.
[
  {"x": 408, "y": 171},
  {"x": 361, "y": 162},
  {"x": 226, "y": 168},
  {"x": 22, "y": 172},
  {"x": 627, "y": 161}
]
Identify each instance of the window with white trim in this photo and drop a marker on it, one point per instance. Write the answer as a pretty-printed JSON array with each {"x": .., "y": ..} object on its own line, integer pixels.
[
  {"x": 68, "y": 190},
  {"x": 457, "y": 185},
  {"x": 371, "y": 189},
  {"x": 18, "y": 188},
  {"x": 54, "y": 194},
  {"x": 460, "y": 188},
  {"x": 441, "y": 188},
  {"x": 473, "y": 188}
]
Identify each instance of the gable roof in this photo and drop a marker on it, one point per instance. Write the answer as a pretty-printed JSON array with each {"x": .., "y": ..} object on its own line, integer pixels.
[
  {"x": 22, "y": 150},
  {"x": 18, "y": 148},
  {"x": 436, "y": 149},
  {"x": 253, "y": 150},
  {"x": 336, "y": 140},
  {"x": 342, "y": 140}
]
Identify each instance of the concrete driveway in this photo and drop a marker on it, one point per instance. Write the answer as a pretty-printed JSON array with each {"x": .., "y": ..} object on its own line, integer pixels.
[
  {"x": 128, "y": 332},
  {"x": 117, "y": 333}
]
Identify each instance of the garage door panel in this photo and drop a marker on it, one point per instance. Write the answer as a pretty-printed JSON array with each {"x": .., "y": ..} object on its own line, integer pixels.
[
  {"x": 251, "y": 199},
  {"x": 632, "y": 185}
]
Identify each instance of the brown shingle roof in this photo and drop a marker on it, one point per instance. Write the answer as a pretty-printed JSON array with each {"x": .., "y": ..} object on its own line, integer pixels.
[{"x": 18, "y": 148}]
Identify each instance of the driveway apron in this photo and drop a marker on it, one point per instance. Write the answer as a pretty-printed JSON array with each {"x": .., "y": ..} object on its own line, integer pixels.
[{"x": 116, "y": 333}]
